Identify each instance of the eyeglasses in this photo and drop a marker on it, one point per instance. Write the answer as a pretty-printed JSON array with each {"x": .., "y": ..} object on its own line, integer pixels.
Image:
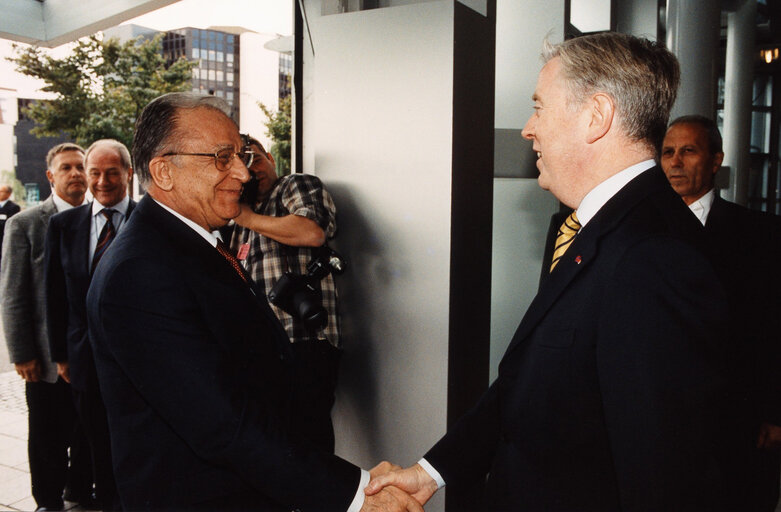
[{"x": 223, "y": 159}]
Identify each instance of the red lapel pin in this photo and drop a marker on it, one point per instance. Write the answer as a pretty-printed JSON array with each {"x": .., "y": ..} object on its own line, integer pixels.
[{"x": 577, "y": 259}]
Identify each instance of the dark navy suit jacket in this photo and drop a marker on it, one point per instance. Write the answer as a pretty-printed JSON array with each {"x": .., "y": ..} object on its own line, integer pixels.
[
  {"x": 67, "y": 280},
  {"x": 199, "y": 380},
  {"x": 609, "y": 394},
  {"x": 747, "y": 248}
]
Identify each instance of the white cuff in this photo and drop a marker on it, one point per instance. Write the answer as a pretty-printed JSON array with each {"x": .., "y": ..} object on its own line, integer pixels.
[
  {"x": 433, "y": 473},
  {"x": 357, "y": 502}
]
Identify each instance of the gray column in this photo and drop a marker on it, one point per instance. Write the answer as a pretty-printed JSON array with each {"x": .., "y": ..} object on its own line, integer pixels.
[
  {"x": 738, "y": 86},
  {"x": 693, "y": 36}
]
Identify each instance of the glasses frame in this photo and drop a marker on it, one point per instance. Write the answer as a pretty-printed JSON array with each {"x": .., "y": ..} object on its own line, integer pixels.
[{"x": 247, "y": 160}]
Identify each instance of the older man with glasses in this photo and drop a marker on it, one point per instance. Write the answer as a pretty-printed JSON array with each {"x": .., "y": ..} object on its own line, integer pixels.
[{"x": 198, "y": 375}]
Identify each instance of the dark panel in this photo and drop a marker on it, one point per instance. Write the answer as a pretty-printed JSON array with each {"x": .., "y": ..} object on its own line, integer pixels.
[
  {"x": 31, "y": 156},
  {"x": 298, "y": 88},
  {"x": 513, "y": 155},
  {"x": 472, "y": 210}
]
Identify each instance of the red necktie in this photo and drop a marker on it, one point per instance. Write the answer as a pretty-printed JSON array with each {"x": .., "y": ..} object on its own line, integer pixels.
[
  {"x": 228, "y": 255},
  {"x": 104, "y": 239}
]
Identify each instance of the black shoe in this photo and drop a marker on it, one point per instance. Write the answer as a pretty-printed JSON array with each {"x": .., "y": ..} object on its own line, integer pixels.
[
  {"x": 49, "y": 509},
  {"x": 89, "y": 502}
]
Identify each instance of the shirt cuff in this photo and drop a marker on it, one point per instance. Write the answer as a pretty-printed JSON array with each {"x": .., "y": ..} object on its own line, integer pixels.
[
  {"x": 433, "y": 473},
  {"x": 357, "y": 502}
]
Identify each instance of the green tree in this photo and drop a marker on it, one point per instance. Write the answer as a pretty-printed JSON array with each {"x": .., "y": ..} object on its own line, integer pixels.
[
  {"x": 100, "y": 87},
  {"x": 278, "y": 128}
]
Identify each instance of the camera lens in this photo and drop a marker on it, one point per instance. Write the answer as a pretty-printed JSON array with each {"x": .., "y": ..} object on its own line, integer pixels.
[{"x": 309, "y": 308}]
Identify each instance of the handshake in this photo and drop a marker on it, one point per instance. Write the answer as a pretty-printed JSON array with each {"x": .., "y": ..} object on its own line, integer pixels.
[{"x": 396, "y": 489}]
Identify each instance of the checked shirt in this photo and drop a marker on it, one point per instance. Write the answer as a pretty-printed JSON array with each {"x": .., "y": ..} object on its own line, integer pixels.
[{"x": 268, "y": 260}]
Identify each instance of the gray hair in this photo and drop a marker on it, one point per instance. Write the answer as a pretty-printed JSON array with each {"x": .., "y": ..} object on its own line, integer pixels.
[
  {"x": 641, "y": 76},
  {"x": 156, "y": 127},
  {"x": 124, "y": 154}
]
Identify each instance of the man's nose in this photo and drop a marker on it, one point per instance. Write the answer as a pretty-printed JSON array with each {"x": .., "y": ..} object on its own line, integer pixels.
[
  {"x": 528, "y": 129},
  {"x": 239, "y": 170}
]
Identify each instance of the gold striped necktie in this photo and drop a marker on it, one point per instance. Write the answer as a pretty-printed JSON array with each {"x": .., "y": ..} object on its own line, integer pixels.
[{"x": 564, "y": 238}]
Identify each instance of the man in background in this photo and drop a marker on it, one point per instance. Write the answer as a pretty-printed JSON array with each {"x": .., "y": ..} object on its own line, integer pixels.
[
  {"x": 282, "y": 231},
  {"x": 75, "y": 242},
  {"x": 7, "y": 208},
  {"x": 52, "y": 419},
  {"x": 746, "y": 245}
]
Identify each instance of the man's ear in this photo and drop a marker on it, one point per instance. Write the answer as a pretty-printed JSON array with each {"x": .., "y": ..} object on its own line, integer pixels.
[
  {"x": 50, "y": 177},
  {"x": 161, "y": 171},
  {"x": 602, "y": 112},
  {"x": 718, "y": 158}
]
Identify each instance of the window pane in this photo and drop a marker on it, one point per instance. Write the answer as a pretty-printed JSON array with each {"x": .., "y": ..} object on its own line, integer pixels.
[
  {"x": 760, "y": 132},
  {"x": 590, "y": 15}
]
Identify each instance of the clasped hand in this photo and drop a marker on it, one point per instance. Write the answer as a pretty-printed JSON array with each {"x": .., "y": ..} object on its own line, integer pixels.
[{"x": 394, "y": 488}]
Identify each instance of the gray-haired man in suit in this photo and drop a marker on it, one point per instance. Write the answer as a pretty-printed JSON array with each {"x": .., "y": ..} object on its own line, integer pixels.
[{"x": 51, "y": 413}]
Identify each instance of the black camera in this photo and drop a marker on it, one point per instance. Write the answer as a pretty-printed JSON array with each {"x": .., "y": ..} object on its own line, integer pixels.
[{"x": 298, "y": 294}]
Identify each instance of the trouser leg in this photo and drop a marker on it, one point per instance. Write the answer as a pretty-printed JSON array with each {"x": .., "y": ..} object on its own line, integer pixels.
[
  {"x": 92, "y": 412},
  {"x": 50, "y": 415}
]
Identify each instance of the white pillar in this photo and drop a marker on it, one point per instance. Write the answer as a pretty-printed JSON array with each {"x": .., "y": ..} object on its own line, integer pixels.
[
  {"x": 693, "y": 36},
  {"x": 738, "y": 87}
]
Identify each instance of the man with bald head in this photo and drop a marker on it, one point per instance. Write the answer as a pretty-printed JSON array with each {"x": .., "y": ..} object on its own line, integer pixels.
[
  {"x": 75, "y": 242},
  {"x": 198, "y": 374},
  {"x": 7, "y": 208}
]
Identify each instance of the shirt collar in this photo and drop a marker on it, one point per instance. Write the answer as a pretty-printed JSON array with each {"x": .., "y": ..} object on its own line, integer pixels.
[
  {"x": 209, "y": 237},
  {"x": 61, "y": 204},
  {"x": 120, "y": 207},
  {"x": 602, "y": 193},
  {"x": 701, "y": 207}
]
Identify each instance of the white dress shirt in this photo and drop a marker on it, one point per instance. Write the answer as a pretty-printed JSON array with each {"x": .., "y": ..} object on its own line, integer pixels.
[
  {"x": 99, "y": 220},
  {"x": 62, "y": 205},
  {"x": 701, "y": 207}
]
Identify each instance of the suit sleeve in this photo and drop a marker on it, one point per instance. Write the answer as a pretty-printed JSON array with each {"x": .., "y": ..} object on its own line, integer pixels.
[
  {"x": 153, "y": 327},
  {"x": 465, "y": 453},
  {"x": 660, "y": 363},
  {"x": 16, "y": 286},
  {"x": 769, "y": 339},
  {"x": 56, "y": 296}
]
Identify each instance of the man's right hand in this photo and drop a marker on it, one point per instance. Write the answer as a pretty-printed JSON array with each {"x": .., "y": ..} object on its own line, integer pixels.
[
  {"x": 30, "y": 371},
  {"x": 413, "y": 480}
]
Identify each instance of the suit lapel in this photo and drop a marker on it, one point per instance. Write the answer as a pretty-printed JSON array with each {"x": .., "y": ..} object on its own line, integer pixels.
[
  {"x": 209, "y": 261},
  {"x": 584, "y": 248}
]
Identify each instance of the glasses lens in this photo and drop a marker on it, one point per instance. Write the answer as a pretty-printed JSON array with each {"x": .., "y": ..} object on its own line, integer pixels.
[
  {"x": 247, "y": 157},
  {"x": 223, "y": 159}
]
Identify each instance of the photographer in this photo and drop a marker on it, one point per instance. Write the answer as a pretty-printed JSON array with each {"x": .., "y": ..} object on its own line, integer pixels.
[{"x": 280, "y": 230}]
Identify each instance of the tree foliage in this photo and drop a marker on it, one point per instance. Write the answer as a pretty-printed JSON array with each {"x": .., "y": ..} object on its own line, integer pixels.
[
  {"x": 278, "y": 128},
  {"x": 100, "y": 87}
]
